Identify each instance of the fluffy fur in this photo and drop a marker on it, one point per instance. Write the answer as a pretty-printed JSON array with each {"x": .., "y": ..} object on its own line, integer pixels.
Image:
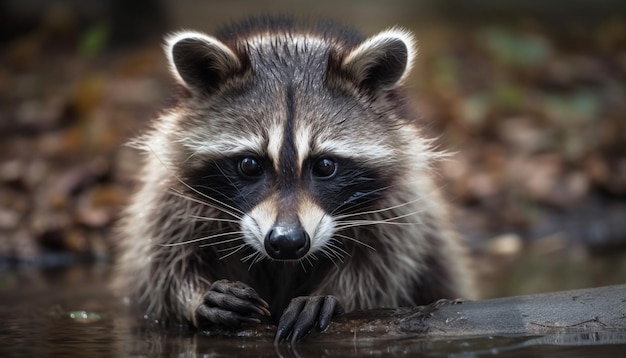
[{"x": 287, "y": 94}]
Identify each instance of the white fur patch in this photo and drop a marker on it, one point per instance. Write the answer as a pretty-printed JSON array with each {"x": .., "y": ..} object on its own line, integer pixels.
[
  {"x": 275, "y": 136},
  {"x": 302, "y": 141},
  {"x": 368, "y": 152},
  {"x": 258, "y": 222},
  {"x": 228, "y": 144},
  {"x": 296, "y": 40},
  {"x": 261, "y": 219},
  {"x": 316, "y": 223}
]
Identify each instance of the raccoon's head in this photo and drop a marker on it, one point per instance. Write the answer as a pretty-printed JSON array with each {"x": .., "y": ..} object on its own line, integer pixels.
[{"x": 291, "y": 132}]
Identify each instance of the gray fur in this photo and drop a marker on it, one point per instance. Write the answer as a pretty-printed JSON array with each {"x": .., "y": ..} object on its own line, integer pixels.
[{"x": 174, "y": 241}]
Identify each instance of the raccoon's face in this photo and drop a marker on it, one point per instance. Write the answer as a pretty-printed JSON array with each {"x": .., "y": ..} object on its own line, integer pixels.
[{"x": 285, "y": 133}]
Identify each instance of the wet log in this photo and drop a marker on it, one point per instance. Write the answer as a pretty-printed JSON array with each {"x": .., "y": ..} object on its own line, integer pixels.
[{"x": 586, "y": 310}]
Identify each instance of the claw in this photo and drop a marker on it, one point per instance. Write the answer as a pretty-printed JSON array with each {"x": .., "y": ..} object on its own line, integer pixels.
[
  {"x": 303, "y": 313},
  {"x": 307, "y": 318},
  {"x": 288, "y": 319},
  {"x": 331, "y": 308},
  {"x": 240, "y": 290},
  {"x": 233, "y": 303},
  {"x": 230, "y": 304}
]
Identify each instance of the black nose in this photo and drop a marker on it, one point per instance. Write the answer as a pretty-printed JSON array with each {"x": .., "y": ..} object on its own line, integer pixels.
[{"x": 287, "y": 243}]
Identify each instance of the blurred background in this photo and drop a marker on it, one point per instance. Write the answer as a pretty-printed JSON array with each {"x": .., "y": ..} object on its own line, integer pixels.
[{"x": 529, "y": 95}]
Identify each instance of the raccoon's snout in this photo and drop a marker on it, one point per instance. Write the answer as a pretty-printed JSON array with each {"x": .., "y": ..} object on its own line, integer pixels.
[{"x": 287, "y": 242}]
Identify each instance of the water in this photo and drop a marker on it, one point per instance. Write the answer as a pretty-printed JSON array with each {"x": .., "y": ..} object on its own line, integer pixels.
[{"x": 70, "y": 312}]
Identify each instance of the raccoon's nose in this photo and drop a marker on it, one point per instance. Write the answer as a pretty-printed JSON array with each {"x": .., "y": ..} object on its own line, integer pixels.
[{"x": 287, "y": 243}]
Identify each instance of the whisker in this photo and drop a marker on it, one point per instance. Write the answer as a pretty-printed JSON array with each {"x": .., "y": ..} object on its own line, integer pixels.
[
  {"x": 371, "y": 223},
  {"x": 233, "y": 184},
  {"x": 335, "y": 250},
  {"x": 207, "y": 218},
  {"x": 236, "y": 213},
  {"x": 378, "y": 211},
  {"x": 389, "y": 221},
  {"x": 338, "y": 250},
  {"x": 194, "y": 199},
  {"x": 229, "y": 248},
  {"x": 257, "y": 259},
  {"x": 217, "y": 201},
  {"x": 356, "y": 223},
  {"x": 233, "y": 252},
  {"x": 331, "y": 257},
  {"x": 248, "y": 257},
  {"x": 221, "y": 242},
  {"x": 355, "y": 240},
  {"x": 190, "y": 187},
  {"x": 336, "y": 210},
  {"x": 346, "y": 203},
  {"x": 206, "y": 238},
  {"x": 342, "y": 224}
]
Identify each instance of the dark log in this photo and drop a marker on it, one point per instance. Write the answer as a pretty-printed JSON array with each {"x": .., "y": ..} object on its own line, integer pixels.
[{"x": 587, "y": 310}]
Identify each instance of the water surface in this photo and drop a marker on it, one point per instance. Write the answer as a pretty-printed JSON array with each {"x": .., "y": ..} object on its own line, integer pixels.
[{"x": 71, "y": 312}]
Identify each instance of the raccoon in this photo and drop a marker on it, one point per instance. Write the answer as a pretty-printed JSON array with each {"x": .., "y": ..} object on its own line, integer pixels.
[{"x": 290, "y": 183}]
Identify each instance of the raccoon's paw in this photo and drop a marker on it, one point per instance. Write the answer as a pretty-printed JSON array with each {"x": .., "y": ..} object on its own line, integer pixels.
[
  {"x": 230, "y": 304},
  {"x": 305, "y": 312}
]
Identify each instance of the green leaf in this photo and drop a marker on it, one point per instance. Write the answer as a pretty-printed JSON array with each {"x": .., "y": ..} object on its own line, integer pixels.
[{"x": 94, "y": 40}]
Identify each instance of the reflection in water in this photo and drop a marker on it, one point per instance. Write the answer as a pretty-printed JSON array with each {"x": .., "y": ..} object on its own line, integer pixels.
[{"x": 70, "y": 312}]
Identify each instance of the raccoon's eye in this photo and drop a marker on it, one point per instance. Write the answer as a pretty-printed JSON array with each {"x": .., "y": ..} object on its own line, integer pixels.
[
  {"x": 250, "y": 167},
  {"x": 324, "y": 168}
]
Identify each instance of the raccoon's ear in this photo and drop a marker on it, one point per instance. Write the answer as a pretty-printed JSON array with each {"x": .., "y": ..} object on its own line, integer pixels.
[
  {"x": 382, "y": 61},
  {"x": 200, "y": 62}
]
